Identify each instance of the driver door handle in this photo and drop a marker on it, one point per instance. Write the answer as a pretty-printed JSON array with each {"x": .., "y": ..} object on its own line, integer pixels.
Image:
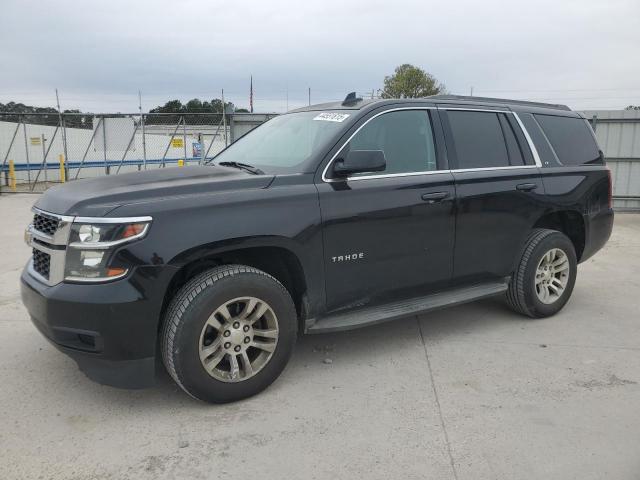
[
  {"x": 526, "y": 187},
  {"x": 434, "y": 196}
]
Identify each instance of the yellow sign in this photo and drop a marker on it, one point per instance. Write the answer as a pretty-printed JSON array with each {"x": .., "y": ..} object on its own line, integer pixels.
[
  {"x": 62, "y": 172},
  {"x": 12, "y": 176},
  {"x": 35, "y": 140},
  {"x": 177, "y": 143}
]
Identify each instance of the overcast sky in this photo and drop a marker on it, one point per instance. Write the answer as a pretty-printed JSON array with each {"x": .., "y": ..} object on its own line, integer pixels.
[{"x": 98, "y": 54}]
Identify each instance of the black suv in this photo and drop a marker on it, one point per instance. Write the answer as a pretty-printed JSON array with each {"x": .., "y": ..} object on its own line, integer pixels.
[{"x": 326, "y": 218}]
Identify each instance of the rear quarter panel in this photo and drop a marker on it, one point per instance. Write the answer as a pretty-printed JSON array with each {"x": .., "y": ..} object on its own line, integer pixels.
[{"x": 583, "y": 189}]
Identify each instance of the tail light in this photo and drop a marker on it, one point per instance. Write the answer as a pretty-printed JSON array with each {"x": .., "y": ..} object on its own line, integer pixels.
[{"x": 610, "y": 197}]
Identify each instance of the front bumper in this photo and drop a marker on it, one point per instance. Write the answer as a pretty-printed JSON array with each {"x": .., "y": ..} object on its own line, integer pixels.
[{"x": 109, "y": 329}]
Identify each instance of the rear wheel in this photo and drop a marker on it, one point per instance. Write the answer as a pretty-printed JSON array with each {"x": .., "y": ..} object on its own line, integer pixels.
[
  {"x": 228, "y": 333},
  {"x": 545, "y": 276}
]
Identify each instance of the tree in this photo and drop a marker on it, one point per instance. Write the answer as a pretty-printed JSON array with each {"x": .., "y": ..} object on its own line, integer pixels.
[
  {"x": 411, "y": 82},
  {"x": 51, "y": 116},
  {"x": 172, "y": 106},
  {"x": 195, "y": 105},
  {"x": 633, "y": 107}
]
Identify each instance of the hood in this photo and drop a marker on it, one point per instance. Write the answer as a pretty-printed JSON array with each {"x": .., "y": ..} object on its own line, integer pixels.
[{"x": 98, "y": 196}]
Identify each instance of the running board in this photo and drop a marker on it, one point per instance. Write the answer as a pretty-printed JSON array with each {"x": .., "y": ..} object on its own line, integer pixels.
[{"x": 392, "y": 311}]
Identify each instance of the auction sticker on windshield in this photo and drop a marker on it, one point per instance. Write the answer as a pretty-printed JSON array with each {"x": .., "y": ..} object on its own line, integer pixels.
[{"x": 332, "y": 117}]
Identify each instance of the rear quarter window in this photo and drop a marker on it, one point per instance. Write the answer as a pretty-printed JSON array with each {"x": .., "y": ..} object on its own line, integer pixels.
[{"x": 571, "y": 139}]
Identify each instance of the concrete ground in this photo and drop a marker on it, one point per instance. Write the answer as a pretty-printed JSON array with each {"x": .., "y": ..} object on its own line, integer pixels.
[{"x": 474, "y": 392}]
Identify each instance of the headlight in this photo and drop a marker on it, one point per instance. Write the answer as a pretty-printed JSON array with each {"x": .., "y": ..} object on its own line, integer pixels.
[{"x": 92, "y": 243}]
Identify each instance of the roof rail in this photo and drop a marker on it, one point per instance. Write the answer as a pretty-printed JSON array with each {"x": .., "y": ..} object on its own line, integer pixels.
[{"x": 468, "y": 98}]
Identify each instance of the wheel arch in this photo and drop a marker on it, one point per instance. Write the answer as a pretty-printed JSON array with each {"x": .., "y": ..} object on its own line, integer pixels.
[
  {"x": 274, "y": 256},
  {"x": 569, "y": 222}
]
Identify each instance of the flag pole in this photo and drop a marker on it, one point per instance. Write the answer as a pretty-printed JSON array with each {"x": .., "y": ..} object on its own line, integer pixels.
[{"x": 251, "y": 95}]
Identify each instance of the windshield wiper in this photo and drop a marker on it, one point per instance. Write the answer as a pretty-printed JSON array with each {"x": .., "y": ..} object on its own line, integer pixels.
[{"x": 242, "y": 166}]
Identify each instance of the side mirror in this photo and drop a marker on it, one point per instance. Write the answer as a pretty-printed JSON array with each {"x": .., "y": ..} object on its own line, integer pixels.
[{"x": 360, "y": 161}]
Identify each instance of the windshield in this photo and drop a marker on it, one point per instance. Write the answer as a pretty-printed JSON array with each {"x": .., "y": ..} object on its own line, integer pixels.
[{"x": 285, "y": 143}]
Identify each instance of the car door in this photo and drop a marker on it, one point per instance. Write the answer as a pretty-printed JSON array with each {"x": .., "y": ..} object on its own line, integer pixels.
[
  {"x": 389, "y": 234},
  {"x": 499, "y": 192}
]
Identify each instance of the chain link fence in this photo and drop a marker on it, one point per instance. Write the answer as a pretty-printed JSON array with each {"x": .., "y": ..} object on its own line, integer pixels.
[{"x": 38, "y": 150}]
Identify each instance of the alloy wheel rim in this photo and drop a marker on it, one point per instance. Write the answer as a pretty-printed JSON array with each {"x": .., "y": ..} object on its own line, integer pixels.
[
  {"x": 552, "y": 276},
  {"x": 238, "y": 339}
]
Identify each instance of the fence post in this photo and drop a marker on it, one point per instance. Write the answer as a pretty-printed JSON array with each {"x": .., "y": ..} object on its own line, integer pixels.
[
  {"x": 144, "y": 141},
  {"x": 43, "y": 140},
  {"x": 12, "y": 176},
  {"x": 64, "y": 143},
  {"x": 184, "y": 136},
  {"x": 62, "y": 169},
  {"x": 62, "y": 126},
  {"x": 26, "y": 149},
  {"x": 224, "y": 119},
  {"x": 104, "y": 144},
  {"x": 201, "y": 142}
]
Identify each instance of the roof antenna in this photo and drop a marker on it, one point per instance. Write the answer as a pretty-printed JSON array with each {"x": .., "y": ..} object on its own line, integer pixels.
[{"x": 350, "y": 99}]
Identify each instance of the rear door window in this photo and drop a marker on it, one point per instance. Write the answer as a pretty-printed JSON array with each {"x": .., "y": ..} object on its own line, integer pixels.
[
  {"x": 570, "y": 138},
  {"x": 479, "y": 140}
]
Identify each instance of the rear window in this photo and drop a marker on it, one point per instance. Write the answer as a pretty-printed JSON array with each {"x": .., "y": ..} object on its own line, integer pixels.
[{"x": 571, "y": 139}]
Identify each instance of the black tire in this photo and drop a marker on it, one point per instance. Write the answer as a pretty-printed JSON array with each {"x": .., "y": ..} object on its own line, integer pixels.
[
  {"x": 188, "y": 312},
  {"x": 521, "y": 295}
]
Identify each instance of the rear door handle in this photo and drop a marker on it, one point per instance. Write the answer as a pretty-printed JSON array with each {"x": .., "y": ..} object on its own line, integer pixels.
[
  {"x": 526, "y": 187},
  {"x": 434, "y": 196}
]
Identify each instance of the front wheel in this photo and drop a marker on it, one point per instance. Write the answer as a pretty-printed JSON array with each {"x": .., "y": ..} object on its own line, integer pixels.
[
  {"x": 545, "y": 276},
  {"x": 228, "y": 333}
]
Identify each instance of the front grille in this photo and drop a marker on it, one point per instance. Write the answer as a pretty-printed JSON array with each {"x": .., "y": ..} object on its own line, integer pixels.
[
  {"x": 41, "y": 263},
  {"x": 45, "y": 223}
]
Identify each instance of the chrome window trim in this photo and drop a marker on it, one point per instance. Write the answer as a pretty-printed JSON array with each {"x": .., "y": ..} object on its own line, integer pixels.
[
  {"x": 470, "y": 109},
  {"x": 368, "y": 177},
  {"x": 532, "y": 147},
  {"x": 534, "y": 151},
  {"x": 544, "y": 135},
  {"x": 389, "y": 175},
  {"x": 484, "y": 169}
]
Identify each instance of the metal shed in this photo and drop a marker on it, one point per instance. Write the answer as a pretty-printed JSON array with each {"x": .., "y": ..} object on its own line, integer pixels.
[{"x": 618, "y": 133}]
